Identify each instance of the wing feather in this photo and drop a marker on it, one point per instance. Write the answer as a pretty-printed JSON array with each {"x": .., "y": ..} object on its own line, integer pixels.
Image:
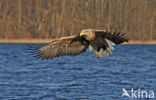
[
  {"x": 115, "y": 37},
  {"x": 72, "y": 45}
]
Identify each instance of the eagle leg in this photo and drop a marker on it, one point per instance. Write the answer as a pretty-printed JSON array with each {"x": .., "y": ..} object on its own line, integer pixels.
[
  {"x": 96, "y": 54},
  {"x": 109, "y": 51}
]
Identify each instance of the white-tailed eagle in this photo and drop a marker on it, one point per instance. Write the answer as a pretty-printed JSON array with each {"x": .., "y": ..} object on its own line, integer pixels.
[{"x": 99, "y": 41}]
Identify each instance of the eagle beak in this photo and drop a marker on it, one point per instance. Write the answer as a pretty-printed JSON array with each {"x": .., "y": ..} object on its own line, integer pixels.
[{"x": 81, "y": 34}]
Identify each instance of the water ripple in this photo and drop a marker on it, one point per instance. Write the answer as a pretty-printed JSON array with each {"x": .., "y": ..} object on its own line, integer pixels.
[{"x": 81, "y": 77}]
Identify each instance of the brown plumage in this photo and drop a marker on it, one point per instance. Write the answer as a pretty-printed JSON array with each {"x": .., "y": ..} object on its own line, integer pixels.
[
  {"x": 98, "y": 40},
  {"x": 64, "y": 46}
]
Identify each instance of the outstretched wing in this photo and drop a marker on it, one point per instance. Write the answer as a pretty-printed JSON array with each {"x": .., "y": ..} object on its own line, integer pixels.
[
  {"x": 104, "y": 42},
  {"x": 72, "y": 45},
  {"x": 115, "y": 37}
]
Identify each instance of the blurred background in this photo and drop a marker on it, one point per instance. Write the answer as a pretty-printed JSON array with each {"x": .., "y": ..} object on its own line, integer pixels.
[
  {"x": 81, "y": 77},
  {"x": 28, "y": 19}
]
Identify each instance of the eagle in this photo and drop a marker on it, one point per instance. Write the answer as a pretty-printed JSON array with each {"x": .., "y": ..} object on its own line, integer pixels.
[{"x": 101, "y": 42}]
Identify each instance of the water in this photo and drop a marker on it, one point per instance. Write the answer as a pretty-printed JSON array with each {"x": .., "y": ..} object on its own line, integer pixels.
[{"x": 81, "y": 77}]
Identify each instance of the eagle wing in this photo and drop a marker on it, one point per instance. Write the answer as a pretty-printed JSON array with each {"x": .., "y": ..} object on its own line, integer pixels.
[
  {"x": 72, "y": 45},
  {"x": 115, "y": 37},
  {"x": 104, "y": 42}
]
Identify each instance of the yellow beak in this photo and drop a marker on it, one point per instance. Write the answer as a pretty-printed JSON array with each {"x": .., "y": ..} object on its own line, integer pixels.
[{"x": 81, "y": 34}]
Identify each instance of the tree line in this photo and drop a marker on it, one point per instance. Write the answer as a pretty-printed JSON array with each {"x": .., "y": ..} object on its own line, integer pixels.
[{"x": 57, "y": 18}]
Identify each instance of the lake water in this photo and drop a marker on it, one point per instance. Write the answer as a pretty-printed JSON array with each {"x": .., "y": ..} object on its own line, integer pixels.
[{"x": 81, "y": 77}]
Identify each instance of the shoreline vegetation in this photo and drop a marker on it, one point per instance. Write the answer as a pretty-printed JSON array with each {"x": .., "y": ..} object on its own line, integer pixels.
[
  {"x": 49, "y": 40},
  {"x": 20, "y": 19}
]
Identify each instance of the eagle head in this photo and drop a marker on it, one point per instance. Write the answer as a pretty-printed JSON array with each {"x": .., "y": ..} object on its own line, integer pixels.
[{"x": 88, "y": 34}]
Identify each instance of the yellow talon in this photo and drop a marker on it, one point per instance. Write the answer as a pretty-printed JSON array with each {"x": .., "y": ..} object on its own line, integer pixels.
[
  {"x": 109, "y": 51},
  {"x": 96, "y": 54}
]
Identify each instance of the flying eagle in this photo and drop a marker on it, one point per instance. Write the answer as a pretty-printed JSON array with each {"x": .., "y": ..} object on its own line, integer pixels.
[{"x": 99, "y": 41}]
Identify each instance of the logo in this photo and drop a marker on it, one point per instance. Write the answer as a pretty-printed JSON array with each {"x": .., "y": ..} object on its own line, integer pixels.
[{"x": 137, "y": 93}]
